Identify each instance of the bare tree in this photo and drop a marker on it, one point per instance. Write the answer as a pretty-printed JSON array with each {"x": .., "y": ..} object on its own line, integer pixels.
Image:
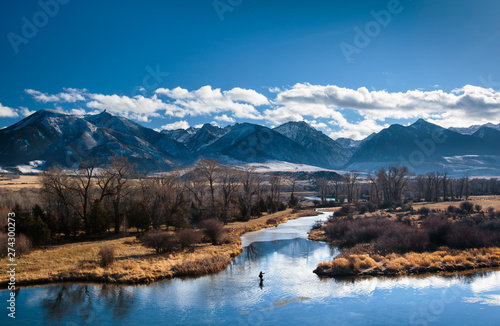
[
  {"x": 275, "y": 182},
  {"x": 209, "y": 171},
  {"x": 82, "y": 184},
  {"x": 119, "y": 173},
  {"x": 229, "y": 186},
  {"x": 56, "y": 189}
]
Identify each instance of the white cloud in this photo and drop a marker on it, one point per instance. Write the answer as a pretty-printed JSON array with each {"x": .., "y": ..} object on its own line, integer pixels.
[
  {"x": 25, "y": 112},
  {"x": 176, "y": 125},
  {"x": 225, "y": 118},
  {"x": 6, "y": 112},
  {"x": 207, "y": 101},
  {"x": 357, "y": 131},
  {"x": 302, "y": 102},
  {"x": 70, "y": 95},
  {"x": 78, "y": 111},
  {"x": 138, "y": 107},
  {"x": 462, "y": 106},
  {"x": 274, "y": 89}
]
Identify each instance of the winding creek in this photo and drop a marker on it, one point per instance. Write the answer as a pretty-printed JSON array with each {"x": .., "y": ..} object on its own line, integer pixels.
[{"x": 291, "y": 294}]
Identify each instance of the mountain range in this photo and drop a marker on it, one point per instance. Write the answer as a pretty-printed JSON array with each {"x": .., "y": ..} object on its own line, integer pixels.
[{"x": 48, "y": 137}]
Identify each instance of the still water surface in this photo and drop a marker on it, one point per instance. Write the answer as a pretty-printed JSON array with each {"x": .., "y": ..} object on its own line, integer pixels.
[{"x": 291, "y": 294}]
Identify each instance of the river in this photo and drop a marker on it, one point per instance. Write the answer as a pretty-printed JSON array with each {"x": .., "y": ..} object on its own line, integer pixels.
[{"x": 291, "y": 294}]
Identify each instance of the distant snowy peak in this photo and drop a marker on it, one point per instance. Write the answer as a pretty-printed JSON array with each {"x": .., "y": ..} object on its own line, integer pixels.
[
  {"x": 472, "y": 129},
  {"x": 348, "y": 142}
]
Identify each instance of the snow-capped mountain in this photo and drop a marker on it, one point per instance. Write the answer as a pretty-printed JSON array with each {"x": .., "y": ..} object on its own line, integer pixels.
[
  {"x": 320, "y": 146},
  {"x": 472, "y": 129},
  {"x": 50, "y": 137},
  {"x": 425, "y": 147},
  {"x": 63, "y": 139}
]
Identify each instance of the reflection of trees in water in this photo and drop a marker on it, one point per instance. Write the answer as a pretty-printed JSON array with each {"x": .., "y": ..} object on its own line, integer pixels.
[
  {"x": 251, "y": 253},
  {"x": 118, "y": 299},
  {"x": 77, "y": 302}
]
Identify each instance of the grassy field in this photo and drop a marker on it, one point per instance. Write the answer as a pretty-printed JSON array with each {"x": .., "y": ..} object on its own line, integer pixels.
[
  {"x": 134, "y": 263},
  {"x": 24, "y": 181}
]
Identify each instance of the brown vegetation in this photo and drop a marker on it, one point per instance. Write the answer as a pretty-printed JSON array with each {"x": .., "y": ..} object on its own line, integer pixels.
[
  {"x": 463, "y": 237},
  {"x": 350, "y": 264}
]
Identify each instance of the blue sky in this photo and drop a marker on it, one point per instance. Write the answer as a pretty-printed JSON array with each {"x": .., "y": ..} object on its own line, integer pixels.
[{"x": 347, "y": 67}]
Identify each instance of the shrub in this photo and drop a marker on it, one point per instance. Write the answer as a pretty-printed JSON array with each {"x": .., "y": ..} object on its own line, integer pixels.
[
  {"x": 106, "y": 255},
  {"x": 317, "y": 225},
  {"x": 3, "y": 244},
  {"x": 281, "y": 206},
  {"x": 188, "y": 237},
  {"x": 424, "y": 211},
  {"x": 452, "y": 210},
  {"x": 463, "y": 236},
  {"x": 160, "y": 241},
  {"x": 478, "y": 208},
  {"x": 271, "y": 221},
  {"x": 214, "y": 230},
  {"x": 345, "y": 210},
  {"x": 22, "y": 245},
  {"x": 437, "y": 227},
  {"x": 467, "y": 206}
]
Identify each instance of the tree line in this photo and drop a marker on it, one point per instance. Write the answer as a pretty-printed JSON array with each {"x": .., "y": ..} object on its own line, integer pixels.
[
  {"x": 395, "y": 185},
  {"x": 93, "y": 200}
]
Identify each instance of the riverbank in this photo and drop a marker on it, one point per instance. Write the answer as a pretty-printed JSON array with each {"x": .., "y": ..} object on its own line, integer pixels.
[
  {"x": 439, "y": 238},
  {"x": 134, "y": 263},
  {"x": 409, "y": 263}
]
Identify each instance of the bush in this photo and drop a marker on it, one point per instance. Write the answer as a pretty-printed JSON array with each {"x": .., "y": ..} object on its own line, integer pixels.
[
  {"x": 188, "y": 237},
  {"x": 317, "y": 225},
  {"x": 160, "y": 241},
  {"x": 437, "y": 227},
  {"x": 214, "y": 230},
  {"x": 22, "y": 245},
  {"x": 271, "y": 221},
  {"x": 467, "y": 207},
  {"x": 281, "y": 206},
  {"x": 478, "y": 208},
  {"x": 106, "y": 255},
  {"x": 345, "y": 210},
  {"x": 424, "y": 211}
]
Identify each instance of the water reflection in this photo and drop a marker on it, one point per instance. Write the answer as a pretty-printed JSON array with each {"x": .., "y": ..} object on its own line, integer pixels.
[{"x": 83, "y": 302}]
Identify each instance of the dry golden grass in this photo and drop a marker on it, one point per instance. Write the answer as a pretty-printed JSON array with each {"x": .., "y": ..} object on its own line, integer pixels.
[
  {"x": 133, "y": 263},
  {"x": 24, "y": 181},
  {"x": 410, "y": 263},
  {"x": 484, "y": 201}
]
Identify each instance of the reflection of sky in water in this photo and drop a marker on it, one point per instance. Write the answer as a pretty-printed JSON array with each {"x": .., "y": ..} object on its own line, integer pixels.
[{"x": 291, "y": 294}]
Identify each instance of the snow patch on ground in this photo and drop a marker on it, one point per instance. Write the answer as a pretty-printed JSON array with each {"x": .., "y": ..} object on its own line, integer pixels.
[{"x": 281, "y": 166}]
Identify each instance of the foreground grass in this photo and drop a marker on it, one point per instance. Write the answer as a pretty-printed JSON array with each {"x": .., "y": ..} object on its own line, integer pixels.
[
  {"x": 410, "y": 263},
  {"x": 134, "y": 263}
]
